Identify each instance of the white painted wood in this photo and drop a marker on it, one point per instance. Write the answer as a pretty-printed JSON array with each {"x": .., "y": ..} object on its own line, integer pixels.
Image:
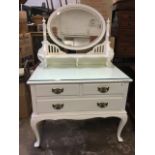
[
  {"x": 108, "y": 51},
  {"x": 42, "y": 53},
  {"x": 90, "y": 10},
  {"x": 113, "y": 88},
  {"x": 50, "y": 52},
  {"x": 34, "y": 126},
  {"x": 44, "y": 30},
  {"x": 33, "y": 97},
  {"x": 77, "y": 115},
  {"x": 122, "y": 123},
  {"x": 36, "y": 118},
  {"x": 74, "y": 86},
  {"x": 68, "y": 89},
  {"x": 83, "y": 105},
  {"x": 44, "y": 45},
  {"x": 53, "y": 49},
  {"x": 44, "y": 105},
  {"x": 98, "y": 49},
  {"x": 104, "y": 50},
  {"x": 77, "y": 75}
]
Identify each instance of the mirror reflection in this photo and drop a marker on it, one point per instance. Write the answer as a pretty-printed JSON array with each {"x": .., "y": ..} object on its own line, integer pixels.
[{"x": 76, "y": 27}]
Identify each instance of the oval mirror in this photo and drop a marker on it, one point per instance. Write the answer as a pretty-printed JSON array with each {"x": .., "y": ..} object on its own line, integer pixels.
[{"x": 76, "y": 27}]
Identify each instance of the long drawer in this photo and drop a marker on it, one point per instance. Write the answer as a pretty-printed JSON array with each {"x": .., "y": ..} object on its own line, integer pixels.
[
  {"x": 57, "y": 90},
  {"x": 48, "y": 105},
  {"x": 103, "y": 88}
]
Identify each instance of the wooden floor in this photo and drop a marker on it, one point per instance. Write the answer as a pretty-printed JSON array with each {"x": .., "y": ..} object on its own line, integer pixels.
[{"x": 86, "y": 137}]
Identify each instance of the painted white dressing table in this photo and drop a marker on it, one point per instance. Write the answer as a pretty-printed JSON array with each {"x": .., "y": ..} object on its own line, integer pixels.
[{"x": 65, "y": 86}]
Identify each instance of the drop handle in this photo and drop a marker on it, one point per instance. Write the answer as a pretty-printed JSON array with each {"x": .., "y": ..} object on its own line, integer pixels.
[
  {"x": 57, "y": 90},
  {"x": 103, "y": 89},
  {"x": 102, "y": 104},
  {"x": 57, "y": 106}
]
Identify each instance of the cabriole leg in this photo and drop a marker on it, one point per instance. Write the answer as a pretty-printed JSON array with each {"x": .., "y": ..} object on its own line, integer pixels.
[
  {"x": 34, "y": 125},
  {"x": 121, "y": 126}
]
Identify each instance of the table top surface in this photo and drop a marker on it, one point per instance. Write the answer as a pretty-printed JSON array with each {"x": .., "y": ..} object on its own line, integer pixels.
[{"x": 76, "y": 74}]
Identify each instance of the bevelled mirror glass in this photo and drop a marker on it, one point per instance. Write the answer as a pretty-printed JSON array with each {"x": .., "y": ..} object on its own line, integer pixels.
[{"x": 76, "y": 27}]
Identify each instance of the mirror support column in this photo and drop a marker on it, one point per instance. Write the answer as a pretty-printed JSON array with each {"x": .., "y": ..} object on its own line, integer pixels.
[
  {"x": 45, "y": 48},
  {"x": 108, "y": 51}
]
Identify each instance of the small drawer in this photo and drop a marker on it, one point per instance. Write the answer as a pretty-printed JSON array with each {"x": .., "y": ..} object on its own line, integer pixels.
[
  {"x": 77, "y": 105},
  {"x": 57, "y": 90},
  {"x": 103, "y": 88}
]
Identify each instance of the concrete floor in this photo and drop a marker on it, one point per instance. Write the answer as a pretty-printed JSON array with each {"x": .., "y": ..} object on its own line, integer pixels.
[{"x": 87, "y": 137}]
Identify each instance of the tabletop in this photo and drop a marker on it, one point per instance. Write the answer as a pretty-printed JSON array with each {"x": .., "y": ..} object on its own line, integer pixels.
[{"x": 77, "y": 74}]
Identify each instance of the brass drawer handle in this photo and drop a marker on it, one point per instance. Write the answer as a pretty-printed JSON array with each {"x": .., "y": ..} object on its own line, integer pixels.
[
  {"x": 102, "y": 104},
  {"x": 103, "y": 89},
  {"x": 57, "y": 90},
  {"x": 57, "y": 106}
]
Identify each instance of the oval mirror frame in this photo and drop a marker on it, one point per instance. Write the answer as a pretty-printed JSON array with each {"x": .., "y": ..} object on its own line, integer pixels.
[{"x": 80, "y": 7}]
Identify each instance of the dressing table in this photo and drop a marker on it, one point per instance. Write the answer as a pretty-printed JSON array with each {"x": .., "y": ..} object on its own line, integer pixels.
[{"x": 81, "y": 85}]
